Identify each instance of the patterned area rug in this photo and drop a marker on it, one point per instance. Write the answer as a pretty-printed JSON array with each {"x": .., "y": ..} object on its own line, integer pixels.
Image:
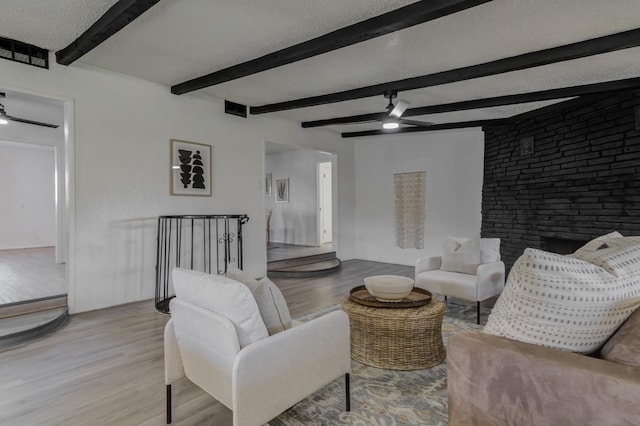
[{"x": 385, "y": 397}]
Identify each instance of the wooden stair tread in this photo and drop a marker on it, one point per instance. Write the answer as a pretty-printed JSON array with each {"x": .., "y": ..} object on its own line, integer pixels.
[
  {"x": 22, "y": 328},
  {"x": 302, "y": 260},
  {"x": 31, "y": 306},
  {"x": 325, "y": 264}
]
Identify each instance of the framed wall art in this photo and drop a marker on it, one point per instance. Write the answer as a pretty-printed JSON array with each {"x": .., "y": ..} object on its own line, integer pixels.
[
  {"x": 267, "y": 185},
  {"x": 282, "y": 190},
  {"x": 190, "y": 168}
]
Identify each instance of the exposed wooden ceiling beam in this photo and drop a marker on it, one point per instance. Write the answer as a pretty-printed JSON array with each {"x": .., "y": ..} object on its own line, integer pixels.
[
  {"x": 577, "y": 50},
  {"x": 574, "y": 102},
  {"x": 116, "y": 18},
  {"x": 404, "y": 17},
  {"x": 413, "y": 129},
  {"x": 520, "y": 98}
]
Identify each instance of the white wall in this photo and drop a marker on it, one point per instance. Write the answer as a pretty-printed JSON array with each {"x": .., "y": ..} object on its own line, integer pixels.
[
  {"x": 295, "y": 222},
  {"x": 454, "y": 164},
  {"x": 27, "y": 189},
  {"x": 120, "y": 131}
]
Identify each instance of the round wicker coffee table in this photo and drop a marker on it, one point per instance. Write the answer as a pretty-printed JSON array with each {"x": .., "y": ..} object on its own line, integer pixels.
[{"x": 396, "y": 338}]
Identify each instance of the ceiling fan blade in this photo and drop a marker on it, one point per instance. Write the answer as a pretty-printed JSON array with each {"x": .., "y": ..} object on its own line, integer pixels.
[
  {"x": 26, "y": 121},
  {"x": 399, "y": 109},
  {"x": 415, "y": 122}
]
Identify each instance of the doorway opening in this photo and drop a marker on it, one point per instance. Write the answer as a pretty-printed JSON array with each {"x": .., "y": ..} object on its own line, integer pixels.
[
  {"x": 35, "y": 190},
  {"x": 325, "y": 202},
  {"x": 300, "y": 223}
]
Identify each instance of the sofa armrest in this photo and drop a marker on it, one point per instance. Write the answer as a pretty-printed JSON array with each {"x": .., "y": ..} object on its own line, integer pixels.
[
  {"x": 493, "y": 380},
  {"x": 273, "y": 374},
  {"x": 428, "y": 264},
  {"x": 491, "y": 278}
]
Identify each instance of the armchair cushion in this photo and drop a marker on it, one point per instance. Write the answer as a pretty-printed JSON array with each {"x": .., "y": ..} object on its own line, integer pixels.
[
  {"x": 452, "y": 284},
  {"x": 489, "y": 250},
  {"x": 242, "y": 277},
  {"x": 273, "y": 306},
  {"x": 624, "y": 345},
  {"x": 223, "y": 296},
  {"x": 460, "y": 255}
]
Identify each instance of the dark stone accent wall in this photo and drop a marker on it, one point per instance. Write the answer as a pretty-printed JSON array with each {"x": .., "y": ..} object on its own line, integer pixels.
[{"x": 582, "y": 179}]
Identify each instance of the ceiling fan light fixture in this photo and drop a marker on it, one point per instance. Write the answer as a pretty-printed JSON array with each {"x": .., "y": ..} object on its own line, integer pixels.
[
  {"x": 399, "y": 109},
  {"x": 390, "y": 124}
]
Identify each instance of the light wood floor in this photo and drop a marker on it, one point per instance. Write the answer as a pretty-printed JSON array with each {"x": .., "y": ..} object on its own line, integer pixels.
[
  {"x": 28, "y": 274},
  {"x": 106, "y": 367}
]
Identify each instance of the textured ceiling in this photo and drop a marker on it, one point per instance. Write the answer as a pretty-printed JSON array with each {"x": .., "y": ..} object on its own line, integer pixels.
[
  {"x": 178, "y": 40},
  {"x": 50, "y": 24}
]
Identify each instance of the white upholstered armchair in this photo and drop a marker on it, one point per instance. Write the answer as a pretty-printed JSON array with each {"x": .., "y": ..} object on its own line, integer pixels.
[
  {"x": 216, "y": 338},
  {"x": 462, "y": 274}
]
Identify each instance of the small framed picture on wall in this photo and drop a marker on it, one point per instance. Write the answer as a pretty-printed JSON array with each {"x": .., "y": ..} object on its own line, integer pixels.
[
  {"x": 267, "y": 185},
  {"x": 190, "y": 168},
  {"x": 282, "y": 190}
]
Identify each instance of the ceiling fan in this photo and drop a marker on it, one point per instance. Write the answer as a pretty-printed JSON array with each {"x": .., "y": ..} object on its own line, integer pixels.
[
  {"x": 5, "y": 118},
  {"x": 391, "y": 119}
]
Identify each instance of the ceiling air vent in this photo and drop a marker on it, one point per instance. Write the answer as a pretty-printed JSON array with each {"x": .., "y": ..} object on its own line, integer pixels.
[
  {"x": 235, "y": 109},
  {"x": 24, "y": 53}
]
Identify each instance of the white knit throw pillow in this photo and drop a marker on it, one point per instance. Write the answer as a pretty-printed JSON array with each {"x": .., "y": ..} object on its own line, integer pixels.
[
  {"x": 569, "y": 303},
  {"x": 460, "y": 255}
]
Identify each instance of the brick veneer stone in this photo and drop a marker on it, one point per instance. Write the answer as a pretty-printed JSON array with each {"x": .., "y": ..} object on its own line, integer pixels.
[{"x": 582, "y": 179}]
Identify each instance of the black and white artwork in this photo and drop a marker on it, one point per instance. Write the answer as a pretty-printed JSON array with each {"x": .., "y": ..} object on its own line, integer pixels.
[
  {"x": 190, "y": 168},
  {"x": 282, "y": 190},
  {"x": 267, "y": 185}
]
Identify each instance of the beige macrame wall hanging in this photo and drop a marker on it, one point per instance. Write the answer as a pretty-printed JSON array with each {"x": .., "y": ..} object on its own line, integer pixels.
[{"x": 409, "y": 209}]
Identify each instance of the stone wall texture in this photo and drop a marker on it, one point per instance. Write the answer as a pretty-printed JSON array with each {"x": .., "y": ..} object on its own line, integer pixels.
[{"x": 564, "y": 172}]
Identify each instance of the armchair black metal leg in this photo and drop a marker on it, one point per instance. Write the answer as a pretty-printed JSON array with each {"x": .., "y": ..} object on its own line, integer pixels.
[
  {"x": 347, "y": 391},
  {"x": 478, "y": 311},
  {"x": 168, "y": 404}
]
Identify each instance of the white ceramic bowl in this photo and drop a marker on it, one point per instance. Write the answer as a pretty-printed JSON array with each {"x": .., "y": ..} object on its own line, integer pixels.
[{"x": 388, "y": 287}]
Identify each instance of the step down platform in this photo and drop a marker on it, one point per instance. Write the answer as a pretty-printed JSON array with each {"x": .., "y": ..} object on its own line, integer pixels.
[
  {"x": 28, "y": 320},
  {"x": 306, "y": 266}
]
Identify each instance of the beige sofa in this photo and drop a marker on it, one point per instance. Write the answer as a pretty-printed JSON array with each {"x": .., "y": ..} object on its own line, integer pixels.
[{"x": 494, "y": 380}]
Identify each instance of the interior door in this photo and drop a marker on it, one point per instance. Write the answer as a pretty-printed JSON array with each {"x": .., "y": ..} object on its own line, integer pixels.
[{"x": 326, "y": 209}]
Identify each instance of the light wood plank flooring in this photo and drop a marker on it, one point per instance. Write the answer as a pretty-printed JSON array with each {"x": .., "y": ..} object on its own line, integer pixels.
[
  {"x": 106, "y": 367},
  {"x": 27, "y": 274}
]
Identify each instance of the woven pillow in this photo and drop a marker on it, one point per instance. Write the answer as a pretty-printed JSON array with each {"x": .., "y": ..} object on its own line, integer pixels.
[
  {"x": 460, "y": 255},
  {"x": 223, "y": 296},
  {"x": 568, "y": 303}
]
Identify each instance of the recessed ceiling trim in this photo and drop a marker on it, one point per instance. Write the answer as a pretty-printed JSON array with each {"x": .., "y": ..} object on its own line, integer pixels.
[
  {"x": 596, "y": 46},
  {"x": 116, "y": 18},
  {"x": 520, "y": 98},
  {"x": 444, "y": 126},
  {"x": 404, "y": 17}
]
